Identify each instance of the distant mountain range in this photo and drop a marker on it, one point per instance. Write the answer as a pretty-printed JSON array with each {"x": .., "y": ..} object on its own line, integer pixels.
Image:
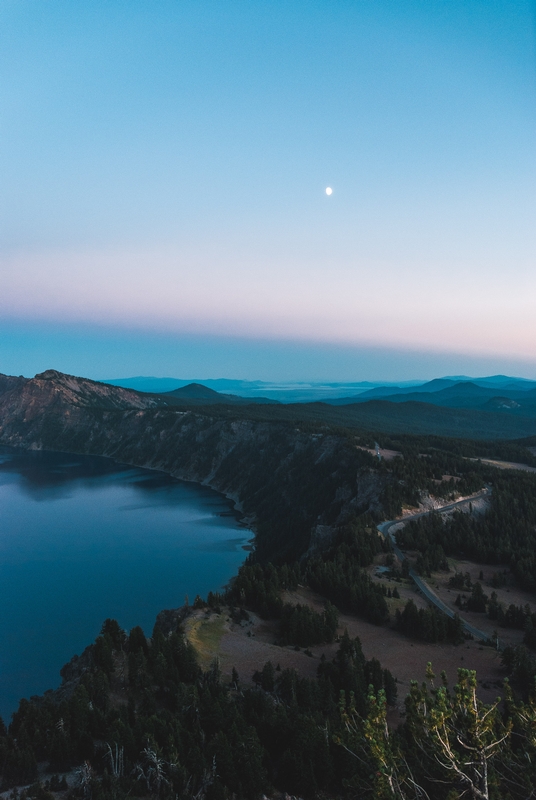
[
  {"x": 497, "y": 393},
  {"x": 284, "y": 392},
  {"x": 33, "y": 411},
  {"x": 204, "y": 395},
  {"x": 500, "y": 394},
  {"x": 494, "y": 384}
]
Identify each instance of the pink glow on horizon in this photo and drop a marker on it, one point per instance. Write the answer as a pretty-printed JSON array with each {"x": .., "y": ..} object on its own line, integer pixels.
[
  {"x": 169, "y": 183},
  {"x": 210, "y": 291}
]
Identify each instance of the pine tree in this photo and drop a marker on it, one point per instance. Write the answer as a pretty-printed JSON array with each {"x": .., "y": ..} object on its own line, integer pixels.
[
  {"x": 380, "y": 768},
  {"x": 457, "y": 735}
]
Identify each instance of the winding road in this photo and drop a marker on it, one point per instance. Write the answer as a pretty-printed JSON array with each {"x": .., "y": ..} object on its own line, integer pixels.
[{"x": 386, "y": 529}]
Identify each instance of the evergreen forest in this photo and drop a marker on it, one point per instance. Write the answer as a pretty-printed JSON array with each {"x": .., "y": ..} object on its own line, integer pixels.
[{"x": 139, "y": 717}]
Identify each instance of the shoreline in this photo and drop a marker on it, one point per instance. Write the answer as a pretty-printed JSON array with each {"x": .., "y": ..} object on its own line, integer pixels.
[{"x": 231, "y": 510}]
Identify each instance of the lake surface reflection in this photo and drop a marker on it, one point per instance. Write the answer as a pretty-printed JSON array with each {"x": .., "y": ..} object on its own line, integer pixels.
[{"x": 82, "y": 539}]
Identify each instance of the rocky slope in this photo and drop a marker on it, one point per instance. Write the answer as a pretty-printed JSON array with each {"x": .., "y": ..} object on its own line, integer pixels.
[
  {"x": 52, "y": 388},
  {"x": 296, "y": 485}
]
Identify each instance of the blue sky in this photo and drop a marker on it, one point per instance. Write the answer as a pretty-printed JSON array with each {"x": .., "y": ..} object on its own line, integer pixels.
[{"x": 163, "y": 174}]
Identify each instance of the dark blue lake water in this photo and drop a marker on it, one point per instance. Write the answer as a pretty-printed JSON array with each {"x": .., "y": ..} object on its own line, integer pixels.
[{"x": 83, "y": 539}]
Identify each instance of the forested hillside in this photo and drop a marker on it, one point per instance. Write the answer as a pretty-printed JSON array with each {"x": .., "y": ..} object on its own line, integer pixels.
[
  {"x": 140, "y": 715},
  {"x": 296, "y": 479},
  {"x": 143, "y": 720},
  {"x": 417, "y": 418},
  {"x": 506, "y": 534}
]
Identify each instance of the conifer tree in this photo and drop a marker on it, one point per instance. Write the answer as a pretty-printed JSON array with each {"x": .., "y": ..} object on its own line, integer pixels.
[{"x": 457, "y": 735}]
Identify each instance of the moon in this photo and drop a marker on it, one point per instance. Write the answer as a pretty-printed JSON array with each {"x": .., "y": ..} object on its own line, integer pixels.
[{"x": 329, "y": 191}]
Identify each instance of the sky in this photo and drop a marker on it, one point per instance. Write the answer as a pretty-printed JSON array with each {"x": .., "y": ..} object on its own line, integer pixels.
[{"x": 163, "y": 167}]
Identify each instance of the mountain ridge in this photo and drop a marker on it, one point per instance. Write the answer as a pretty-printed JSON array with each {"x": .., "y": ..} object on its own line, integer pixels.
[
  {"x": 51, "y": 393},
  {"x": 335, "y": 392}
]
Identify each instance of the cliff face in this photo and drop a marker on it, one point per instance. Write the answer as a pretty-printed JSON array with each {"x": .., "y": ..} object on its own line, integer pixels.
[
  {"x": 8, "y": 382},
  {"x": 290, "y": 481},
  {"x": 52, "y": 388}
]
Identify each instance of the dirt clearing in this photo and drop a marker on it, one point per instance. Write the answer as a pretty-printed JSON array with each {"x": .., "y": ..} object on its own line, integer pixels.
[{"x": 248, "y": 645}]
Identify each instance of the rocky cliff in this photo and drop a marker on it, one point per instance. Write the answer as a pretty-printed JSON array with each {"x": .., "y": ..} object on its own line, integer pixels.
[
  {"x": 52, "y": 388},
  {"x": 295, "y": 484}
]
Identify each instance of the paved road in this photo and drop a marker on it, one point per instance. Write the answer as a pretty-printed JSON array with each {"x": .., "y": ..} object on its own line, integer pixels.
[{"x": 386, "y": 529}]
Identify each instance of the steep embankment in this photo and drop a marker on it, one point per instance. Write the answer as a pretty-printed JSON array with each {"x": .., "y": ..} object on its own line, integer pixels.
[{"x": 297, "y": 485}]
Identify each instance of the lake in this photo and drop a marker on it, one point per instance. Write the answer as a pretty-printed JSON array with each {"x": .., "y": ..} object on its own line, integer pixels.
[{"x": 82, "y": 539}]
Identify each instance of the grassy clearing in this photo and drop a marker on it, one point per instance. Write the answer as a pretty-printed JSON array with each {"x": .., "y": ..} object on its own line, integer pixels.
[{"x": 205, "y": 634}]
